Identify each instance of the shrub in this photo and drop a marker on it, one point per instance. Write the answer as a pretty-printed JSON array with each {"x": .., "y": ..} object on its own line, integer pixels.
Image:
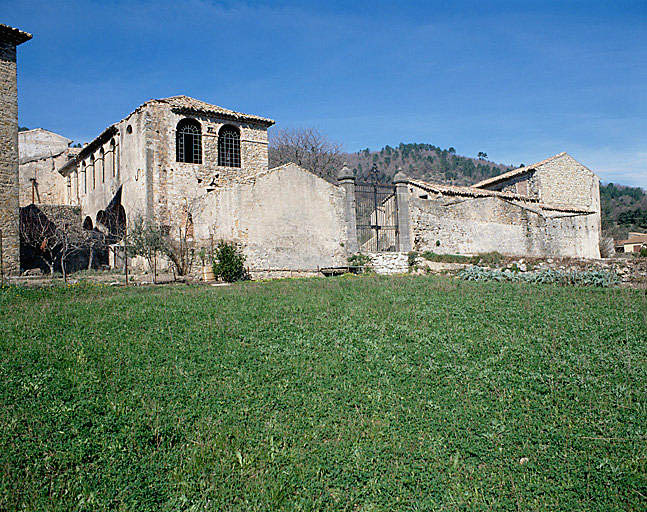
[
  {"x": 359, "y": 260},
  {"x": 489, "y": 258},
  {"x": 643, "y": 252},
  {"x": 446, "y": 258},
  {"x": 229, "y": 263},
  {"x": 411, "y": 259}
]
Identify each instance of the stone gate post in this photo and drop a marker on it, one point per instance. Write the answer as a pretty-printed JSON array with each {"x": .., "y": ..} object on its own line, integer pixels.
[
  {"x": 346, "y": 180},
  {"x": 401, "y": 182}
]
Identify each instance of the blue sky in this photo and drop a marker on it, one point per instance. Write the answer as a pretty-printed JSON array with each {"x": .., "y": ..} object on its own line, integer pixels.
[{"x": 519, "y": 80}]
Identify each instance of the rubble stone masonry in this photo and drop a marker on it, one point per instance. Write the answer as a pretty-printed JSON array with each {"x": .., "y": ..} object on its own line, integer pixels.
[{"x": 9, "y": 158}]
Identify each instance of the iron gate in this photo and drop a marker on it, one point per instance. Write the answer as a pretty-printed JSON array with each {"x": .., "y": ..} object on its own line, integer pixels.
[{"x": 376, "y": 210}]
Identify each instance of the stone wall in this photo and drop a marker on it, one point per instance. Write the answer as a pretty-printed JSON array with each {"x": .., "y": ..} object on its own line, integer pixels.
[
  {"x": 285, "y": 219},
  {"x": 560, "y": 181},
  {"x": 389, "y": 262},
  {"x": 563, "y": 181},
  {"x": 466, "y": 225},
  {"x": 9, "y": 202}
]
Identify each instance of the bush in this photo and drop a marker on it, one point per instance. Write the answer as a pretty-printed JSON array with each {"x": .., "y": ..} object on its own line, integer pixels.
[
  {"x": 229, "y": 263},
  {"x": 411, "y": 259},
  {"x": 359, "y": 260},
  {"x": 490, "y": 258},
  {"x": 446, "y": 258},
  {"x": 487, "y": 258},
  {"x": 643, "y": 252}
]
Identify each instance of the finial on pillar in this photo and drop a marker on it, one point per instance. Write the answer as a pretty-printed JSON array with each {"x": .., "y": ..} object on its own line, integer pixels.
[
  {"x": 345, "y": 173},
  {"x": 400, "y": 176}
]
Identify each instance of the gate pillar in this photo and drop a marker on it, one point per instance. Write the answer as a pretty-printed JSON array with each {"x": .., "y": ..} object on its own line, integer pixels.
[
  {"x": 401, "y": 182},
  {"x": 346, "y": 180}
]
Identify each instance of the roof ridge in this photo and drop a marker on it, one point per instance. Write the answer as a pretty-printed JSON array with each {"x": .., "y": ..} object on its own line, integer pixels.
[
  {"x": 519, "y": 170},
  {"x": 479, "y": 192}
]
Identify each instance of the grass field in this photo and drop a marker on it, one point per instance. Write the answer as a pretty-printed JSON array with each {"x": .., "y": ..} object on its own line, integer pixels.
[{"x": 410, "y": 393}]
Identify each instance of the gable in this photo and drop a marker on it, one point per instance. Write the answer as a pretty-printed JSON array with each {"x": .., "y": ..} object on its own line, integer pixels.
[{"x": 39, "y": 143}]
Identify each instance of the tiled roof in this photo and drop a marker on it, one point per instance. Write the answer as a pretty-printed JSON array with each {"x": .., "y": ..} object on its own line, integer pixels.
[
  {"x": 454, "y": 190},
  {"x": 634, "y": 239},
  {"x": 515, "y": 172},
  {"x": 13, "y": 35},
  {"x": 181, "y": 103},
  {"x": 189, "y": 104}
]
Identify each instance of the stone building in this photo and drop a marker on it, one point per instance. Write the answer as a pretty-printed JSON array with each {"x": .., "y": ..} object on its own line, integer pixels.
[
  {"x": 202, "y": 171},
  {"x": 41, "y": 154},
  {"x": 551, "y": 208},
  {"x": 164, "y": 157},
  {"x": 10, "y": 38}
]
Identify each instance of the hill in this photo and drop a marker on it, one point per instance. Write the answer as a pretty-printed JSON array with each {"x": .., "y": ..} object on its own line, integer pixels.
[
  {"x": 425, "y": 162},
  {"x": 624, "y": 208}
]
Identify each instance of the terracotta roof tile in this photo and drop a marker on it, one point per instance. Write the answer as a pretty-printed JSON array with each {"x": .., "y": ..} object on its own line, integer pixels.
[
  {"x": 191, "y": 104},
  {"x": 454, "y": 190},
  {"x": 16, "y": 36}
]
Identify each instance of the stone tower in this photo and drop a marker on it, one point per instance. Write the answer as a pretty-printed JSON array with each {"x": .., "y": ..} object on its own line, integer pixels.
[{"x": 9, "y": 198}]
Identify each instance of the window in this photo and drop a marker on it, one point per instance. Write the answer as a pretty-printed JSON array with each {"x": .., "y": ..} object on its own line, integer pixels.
[
  {"x": 229, "y": 147},
  {"x": 188, "y": 142},
  {"x": 85, "y": 178},
  {"x": 112, "y": 157},
  {"x": 102, "y": 153},
  {"x": 94, "y": 174}
]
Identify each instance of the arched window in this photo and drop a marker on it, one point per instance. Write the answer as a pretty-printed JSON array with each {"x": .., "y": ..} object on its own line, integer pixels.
[
  {"x": 102, "y": 154},
  {"x": 94, "y": 174},
  {"x": 229, "y": 147},
  {"x": 188, "y": 142},
  {"x": 112, "y": 157}
]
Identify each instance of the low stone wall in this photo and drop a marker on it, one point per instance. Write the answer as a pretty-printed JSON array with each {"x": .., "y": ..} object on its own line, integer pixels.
[
  {"x": 389, "y": 262},
  {"x": 281, "y": 274}
]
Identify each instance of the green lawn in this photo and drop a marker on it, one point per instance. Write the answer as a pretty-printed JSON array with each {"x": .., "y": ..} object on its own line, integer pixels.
[{"x": 370, "y": 393}]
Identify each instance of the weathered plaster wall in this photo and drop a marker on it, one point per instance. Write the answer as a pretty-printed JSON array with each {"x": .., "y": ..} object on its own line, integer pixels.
[
  {"x": 120, "y": 160},
  {"x": 51, "y": 185},
  {"x": 285, "y": 218},
  {"x": 9, "y": 202},
  {"x": 41, "y": 154},
  {"x": 465, "y": 225}
]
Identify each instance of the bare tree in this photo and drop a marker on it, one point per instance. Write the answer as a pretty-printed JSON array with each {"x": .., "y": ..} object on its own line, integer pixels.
[
  {"x": 56, "y": 242},
  {"x": 73, "y": 239},
  {"x": 145, "y": 239},
  {"x": 148, "y": 238},
  {"x": 308, "y": 148},
  {"x": 39, "y": 233}
]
